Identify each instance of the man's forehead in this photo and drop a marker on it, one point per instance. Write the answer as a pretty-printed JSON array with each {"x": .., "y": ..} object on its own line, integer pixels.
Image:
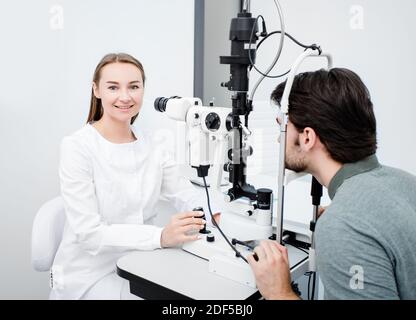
[{"x": 278, "y": 114}]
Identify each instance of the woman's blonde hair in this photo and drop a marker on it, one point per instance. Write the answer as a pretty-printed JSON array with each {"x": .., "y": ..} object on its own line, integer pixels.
[{"x": 96, "y": 108}]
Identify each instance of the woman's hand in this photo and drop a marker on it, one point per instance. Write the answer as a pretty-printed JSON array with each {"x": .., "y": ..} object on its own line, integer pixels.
[{"x": 182, "y": 229}]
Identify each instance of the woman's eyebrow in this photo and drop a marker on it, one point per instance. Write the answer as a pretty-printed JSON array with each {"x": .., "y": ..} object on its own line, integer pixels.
[{"x": 115, "y": 82}]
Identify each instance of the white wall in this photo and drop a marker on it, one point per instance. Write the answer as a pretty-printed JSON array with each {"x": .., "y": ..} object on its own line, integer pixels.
[
  {"x": 216, "y": 44},
  {"x": 49, "y": 50},
  {"x": 372, "y": 37}
]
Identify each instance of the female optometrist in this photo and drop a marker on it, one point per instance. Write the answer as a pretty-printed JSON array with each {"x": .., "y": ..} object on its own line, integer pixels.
[{"x": 111, "y": 177}]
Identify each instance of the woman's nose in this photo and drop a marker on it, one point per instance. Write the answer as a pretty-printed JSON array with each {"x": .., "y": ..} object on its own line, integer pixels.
[{"x": 124, "y": 95}]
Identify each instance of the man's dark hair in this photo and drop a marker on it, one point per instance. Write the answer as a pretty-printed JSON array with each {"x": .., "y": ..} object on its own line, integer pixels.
[{"x": 337, "y": 105}]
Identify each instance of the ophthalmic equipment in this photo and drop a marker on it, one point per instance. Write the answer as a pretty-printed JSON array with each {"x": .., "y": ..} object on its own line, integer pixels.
[{"x": 248, "y": 215}]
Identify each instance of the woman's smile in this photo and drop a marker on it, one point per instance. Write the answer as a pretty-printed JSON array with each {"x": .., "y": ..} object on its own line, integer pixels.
[{"x": 124, "y": 107}]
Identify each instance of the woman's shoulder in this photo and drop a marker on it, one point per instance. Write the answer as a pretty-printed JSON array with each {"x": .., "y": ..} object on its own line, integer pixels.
[
  {"x": 144, "y": 137},
  {"x": 78, "y": 139},
  {"x": 153, "y": 138},
  {"x": 161, "y": 146}
]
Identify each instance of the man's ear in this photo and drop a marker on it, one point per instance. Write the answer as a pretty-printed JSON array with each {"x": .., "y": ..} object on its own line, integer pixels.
[
  {"x": 95, "y": 89},
  {"x": 308, "y": 139}
]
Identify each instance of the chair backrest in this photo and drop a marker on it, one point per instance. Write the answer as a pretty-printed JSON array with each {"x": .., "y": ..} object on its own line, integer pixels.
[{"x": 47, "y": 230}]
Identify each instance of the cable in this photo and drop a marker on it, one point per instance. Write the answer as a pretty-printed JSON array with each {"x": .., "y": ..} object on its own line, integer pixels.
[
  {"x": 237, "y": 253},
  {"x": 313, "y": 286},
  {"x": 279, "y": 51},
  {"x": 312, "y": 46},
  {"x": 311, "y": 276},
  {"x": 283, "y": 32}
]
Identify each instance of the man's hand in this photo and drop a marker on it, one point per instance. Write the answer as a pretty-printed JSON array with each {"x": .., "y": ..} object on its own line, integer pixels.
[
  {"x": 180, "y": 228},
  {"x": 321, "y": 210},
  {"x": 272, "y": 271}
]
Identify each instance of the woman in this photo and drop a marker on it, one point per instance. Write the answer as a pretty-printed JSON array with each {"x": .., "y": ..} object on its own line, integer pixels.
[{"x": 111, "y": 178}]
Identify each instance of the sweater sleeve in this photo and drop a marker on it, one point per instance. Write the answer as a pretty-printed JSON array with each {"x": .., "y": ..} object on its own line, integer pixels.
[{"x": 82, "y": 212}]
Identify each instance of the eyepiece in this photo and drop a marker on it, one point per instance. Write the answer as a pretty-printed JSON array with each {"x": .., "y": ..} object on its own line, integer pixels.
[{"x": 160, "y": 103}]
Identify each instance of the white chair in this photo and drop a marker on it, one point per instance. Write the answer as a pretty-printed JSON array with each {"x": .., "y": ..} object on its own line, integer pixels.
[{"x": 47, "y": 230}]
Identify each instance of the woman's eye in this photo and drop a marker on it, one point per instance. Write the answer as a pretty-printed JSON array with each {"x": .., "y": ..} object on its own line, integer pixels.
[
  {"x": 135, "y": 87},
  {"x": 112, "y": 88}
]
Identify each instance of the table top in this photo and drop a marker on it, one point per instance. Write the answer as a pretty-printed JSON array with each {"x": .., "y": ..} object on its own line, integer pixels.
[{"x": 174, "y": 273}]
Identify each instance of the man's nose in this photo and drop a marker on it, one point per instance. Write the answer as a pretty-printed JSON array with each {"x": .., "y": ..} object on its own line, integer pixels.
[{"x": 279, "y": 121}]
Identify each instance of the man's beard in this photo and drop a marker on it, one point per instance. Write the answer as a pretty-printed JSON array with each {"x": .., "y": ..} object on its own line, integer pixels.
[{"x": 296, "y": 165}]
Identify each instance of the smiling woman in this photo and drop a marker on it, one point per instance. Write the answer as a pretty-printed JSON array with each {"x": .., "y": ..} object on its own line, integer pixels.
[
  {"x": 112, "y": 176},
  {"x": 117, "y": 93}
]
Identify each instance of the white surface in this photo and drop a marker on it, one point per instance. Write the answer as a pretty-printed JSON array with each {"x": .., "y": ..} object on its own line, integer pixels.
[
  {"x": 184, "y": 273},
  {"x": 229, "y": 267},
  {"x": 189, "y": 275},
  {"x": 206, "y": 250}
]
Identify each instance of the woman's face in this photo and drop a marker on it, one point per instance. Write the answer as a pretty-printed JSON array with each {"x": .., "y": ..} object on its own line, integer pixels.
[{"x": 120, "y": 89}]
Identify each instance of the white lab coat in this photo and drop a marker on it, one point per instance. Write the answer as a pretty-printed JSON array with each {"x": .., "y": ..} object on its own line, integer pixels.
[{"x": 110, "y": 191}]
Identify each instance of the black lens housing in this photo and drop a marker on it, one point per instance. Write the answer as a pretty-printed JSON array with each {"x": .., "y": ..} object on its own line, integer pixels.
[{"x": 160, "y": 103}]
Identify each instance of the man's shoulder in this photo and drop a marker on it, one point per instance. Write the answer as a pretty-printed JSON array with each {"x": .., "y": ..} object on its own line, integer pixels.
[
  {"x": 382, "y": 173},
  {"x": 375, "y": 187},
  {"x": 397, "y": 174}
]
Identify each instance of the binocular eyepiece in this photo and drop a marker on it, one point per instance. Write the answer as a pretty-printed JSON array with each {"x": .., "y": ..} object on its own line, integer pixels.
[{"x": 160, "y": 103}]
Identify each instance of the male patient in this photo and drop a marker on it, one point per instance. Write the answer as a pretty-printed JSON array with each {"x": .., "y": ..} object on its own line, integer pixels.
[{"x": 366, "y": 238}]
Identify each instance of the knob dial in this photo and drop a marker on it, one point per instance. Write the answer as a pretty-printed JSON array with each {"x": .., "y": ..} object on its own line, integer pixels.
[{"x": 213, "y": 121}]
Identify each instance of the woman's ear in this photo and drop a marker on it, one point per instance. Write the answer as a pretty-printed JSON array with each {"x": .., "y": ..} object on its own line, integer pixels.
[{"x": 95, "y": 89}]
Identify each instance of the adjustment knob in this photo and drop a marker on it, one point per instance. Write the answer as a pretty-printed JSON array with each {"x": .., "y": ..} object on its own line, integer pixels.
[
  {"x": 210, "y": 238},
  {"x": 203, "y": 230},
  {"x": 213, "y": 121},
  {"x": 227, "y": 167}
]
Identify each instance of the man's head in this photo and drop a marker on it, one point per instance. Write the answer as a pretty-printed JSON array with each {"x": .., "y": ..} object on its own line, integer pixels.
[{"x": 332, "y": 109}]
